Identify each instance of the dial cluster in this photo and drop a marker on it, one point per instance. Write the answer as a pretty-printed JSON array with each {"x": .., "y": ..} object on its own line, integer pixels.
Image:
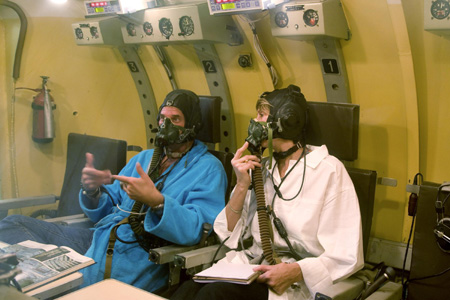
[
  {"x": 178, "y": 23},
  {"x": 164, "y": 26},
  {"x": 310, "y": 18}
]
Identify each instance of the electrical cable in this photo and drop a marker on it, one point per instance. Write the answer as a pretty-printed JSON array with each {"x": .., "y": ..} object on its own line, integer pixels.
[
  {"x": 406, "y": 255},
  {"x": 405, "y": 286},
  {"x": 416, "y": 181},
  {"x": 218, "y": 249},
  {"x": 131, "y": 212},
  {"x": 276, "y": 221},
  {"x": 165, "y": 62},
  {"x": 277, "y": 188},
  {"x": 259, "y": 50},
  {"x": 12, "y": 143}
]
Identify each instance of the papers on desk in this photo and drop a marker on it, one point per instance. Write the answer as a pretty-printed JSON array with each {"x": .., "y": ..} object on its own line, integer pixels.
[
  {"x": 41, "y": 263},
  {"x": 226, "y": 272}
]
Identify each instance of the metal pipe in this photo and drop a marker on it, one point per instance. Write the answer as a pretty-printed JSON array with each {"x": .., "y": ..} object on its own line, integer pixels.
[{"x": 22, "y": 33}]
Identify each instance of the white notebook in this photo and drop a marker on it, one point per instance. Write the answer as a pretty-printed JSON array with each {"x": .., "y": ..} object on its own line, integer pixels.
[{"x": 226, "y": 272}]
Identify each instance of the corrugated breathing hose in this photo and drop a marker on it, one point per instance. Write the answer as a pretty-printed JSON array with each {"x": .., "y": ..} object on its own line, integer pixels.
[
  {"x": 134, "y": 219},
  {"x": 263, "y": 218}
]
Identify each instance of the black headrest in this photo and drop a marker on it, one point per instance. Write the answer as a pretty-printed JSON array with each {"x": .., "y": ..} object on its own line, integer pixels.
[
  {"x": 211, "y": 110},
  {"x": 336, "y": 125}
]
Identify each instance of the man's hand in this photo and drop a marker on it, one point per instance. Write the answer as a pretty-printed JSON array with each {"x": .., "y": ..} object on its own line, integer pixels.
[
  {"x": 279, "y": 277},
  {"x": 141, "y": 189},
  {"x": 91, "y": 178}
]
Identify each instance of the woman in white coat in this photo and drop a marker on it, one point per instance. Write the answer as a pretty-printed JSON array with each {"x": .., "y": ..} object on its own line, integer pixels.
[{"x": 307, "y": 189}]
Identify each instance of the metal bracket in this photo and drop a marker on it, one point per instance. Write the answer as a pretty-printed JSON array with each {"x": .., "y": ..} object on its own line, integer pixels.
[
  {"x": 387, "y": 181},
  {"x": 174, "y": 274},
  {"x": 218, "y": 86},
  {"x": 333, "y": 69},
  {"x": 144, "y": 88}
]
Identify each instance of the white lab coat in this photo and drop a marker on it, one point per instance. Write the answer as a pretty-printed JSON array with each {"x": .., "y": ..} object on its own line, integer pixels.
[{"x": 323, "y": 223}]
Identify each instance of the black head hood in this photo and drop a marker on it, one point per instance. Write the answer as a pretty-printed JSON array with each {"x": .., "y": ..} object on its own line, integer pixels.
[{"x": 288, "y": 113}]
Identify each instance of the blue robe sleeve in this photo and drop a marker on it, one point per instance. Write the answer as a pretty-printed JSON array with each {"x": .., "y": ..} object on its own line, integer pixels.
[
  {"x": 114, "y": 194},
  {"x": 193, "y": 198}
]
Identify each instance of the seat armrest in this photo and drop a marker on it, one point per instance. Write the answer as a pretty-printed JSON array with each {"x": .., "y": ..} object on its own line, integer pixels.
[
  {"x": 352, "y": 287},
  {"x": 67, "y": 218},
  {"x": 349, "y": 288},
  {"x": 13, "y": 203},
  {"x": 78, "y": 220},
  {"x": 166, "y": 254},
  {"x": 201, "y": 256}
]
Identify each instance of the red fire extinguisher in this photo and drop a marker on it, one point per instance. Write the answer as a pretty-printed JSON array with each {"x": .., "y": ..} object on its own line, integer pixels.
[{"x": 43, "y": 106}]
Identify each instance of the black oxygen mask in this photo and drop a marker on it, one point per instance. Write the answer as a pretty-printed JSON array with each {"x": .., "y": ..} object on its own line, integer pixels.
[
  {"x": 169, "y": 134},
  {"x": 257, "y": 133}
]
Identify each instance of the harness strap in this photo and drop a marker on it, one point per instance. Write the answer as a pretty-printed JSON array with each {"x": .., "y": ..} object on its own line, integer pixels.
[{"x": 110, "y": 249}]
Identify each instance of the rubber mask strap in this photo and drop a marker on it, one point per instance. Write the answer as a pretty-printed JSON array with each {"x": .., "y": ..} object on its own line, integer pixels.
[{"x": 270, "y": 146}]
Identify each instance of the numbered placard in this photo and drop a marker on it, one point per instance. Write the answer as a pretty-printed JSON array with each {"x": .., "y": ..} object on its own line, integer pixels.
[
  {"x": 330, "y": 66},
  {"x": 209, "y": 66},
  {"x": 132, "y": 66}
]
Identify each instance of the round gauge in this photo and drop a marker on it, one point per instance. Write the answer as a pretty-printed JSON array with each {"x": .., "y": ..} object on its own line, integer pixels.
[
  {"x": 94, "y": 32},
  {"x": 311, "y": 17},
  {"x": 165, "y": 26},
  {"x": 131, "y": 29},
  {"x": 79, "y": 33},
  {"x": 440, "y": 9},
  {"x": 148, "y": 29},
  {"x": 281, "y": 19},
  {"x": 186, "y": 26}
]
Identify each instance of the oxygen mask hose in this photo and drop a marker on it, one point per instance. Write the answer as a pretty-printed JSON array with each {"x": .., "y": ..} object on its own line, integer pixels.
[
  {"x": 263, "y": 218},
  {"x": 135, "y": 218},
  {"x": 257, "y": 133}
]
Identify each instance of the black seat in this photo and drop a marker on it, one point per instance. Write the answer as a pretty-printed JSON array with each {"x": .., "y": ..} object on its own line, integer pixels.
[
  {"x": 337, "y": 126},
  {"x": 108, "y": 153},
  {"x": 225, "y": 158},
  {"x": 210, "y": 134}
]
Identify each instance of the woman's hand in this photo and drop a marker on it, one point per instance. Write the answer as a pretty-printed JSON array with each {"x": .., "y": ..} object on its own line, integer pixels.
[
  {"x": 141, "y": 189},
  {"x": 242, "y": 165},
  {"x": 279, "y": 277},
  {"x": 91, "y": 178}
]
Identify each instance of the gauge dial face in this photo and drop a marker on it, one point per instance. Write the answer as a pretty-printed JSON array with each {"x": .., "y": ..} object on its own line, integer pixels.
[
  {"x": 79, "y": 33},
  {"x": 94, "y": 32},
  {"x": 131, "y": 29},
  {"x": 440, "y": 9},
  {"x": 186, "y": 26},
  {"x": 281, "y": 19},
  {"x": 166, "y": 28},
  {"x": 148, "y": 28},
  {"x": 311, "y": 17}
]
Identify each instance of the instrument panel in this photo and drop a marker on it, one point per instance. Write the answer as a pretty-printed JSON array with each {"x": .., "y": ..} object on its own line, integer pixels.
[
  {"x": 178, "y": 23},
  {"x": 309, "y": 19},
  {"x": 98, "y": 31},
  {"x": 437, "y": 16}
]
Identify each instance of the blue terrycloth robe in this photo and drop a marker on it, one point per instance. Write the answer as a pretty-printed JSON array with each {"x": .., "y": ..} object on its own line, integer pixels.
[{"x": 193, "y": 194}]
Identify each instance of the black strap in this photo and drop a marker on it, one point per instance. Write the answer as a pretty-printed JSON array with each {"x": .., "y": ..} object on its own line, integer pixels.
[{"x": 110, "y": 249}]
